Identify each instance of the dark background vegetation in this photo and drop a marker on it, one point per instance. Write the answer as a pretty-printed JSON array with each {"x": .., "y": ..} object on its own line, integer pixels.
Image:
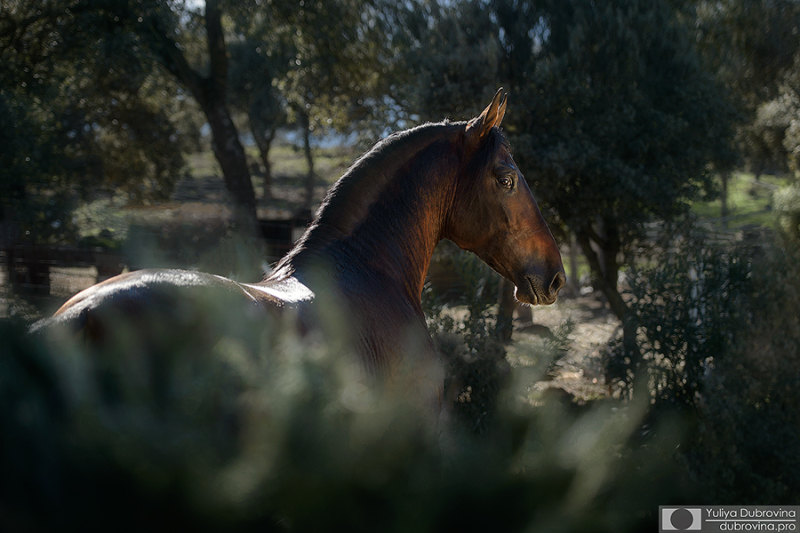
[{"x": 661, "y": 138}]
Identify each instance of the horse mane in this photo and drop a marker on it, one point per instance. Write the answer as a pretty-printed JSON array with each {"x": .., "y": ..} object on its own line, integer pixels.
[{"x": 348, "y": 201}]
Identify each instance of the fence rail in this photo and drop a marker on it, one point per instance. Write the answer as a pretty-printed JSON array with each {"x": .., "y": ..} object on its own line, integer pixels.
[{"x": 45, "y": 270}]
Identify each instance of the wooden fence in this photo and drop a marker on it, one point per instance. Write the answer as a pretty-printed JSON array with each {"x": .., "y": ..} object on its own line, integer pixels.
[{"x": 29, "y": 268}]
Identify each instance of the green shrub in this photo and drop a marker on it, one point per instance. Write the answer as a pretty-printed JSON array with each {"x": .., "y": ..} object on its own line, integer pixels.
[
  {"x": 787, "y": 206},
  {"x": 688, "y": 303},
  {"x": 748, "y": 437},
  {"x": 474, "y": 355},
  {"x": 719, "y": 332},
  {"x": 280, "y": 434}
]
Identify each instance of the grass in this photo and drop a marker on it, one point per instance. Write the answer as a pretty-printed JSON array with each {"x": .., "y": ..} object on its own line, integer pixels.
[
  {"x": 749, "y": 202},
  {"x": 289, "y": 170},
  {"x": 288, "y": 161}
]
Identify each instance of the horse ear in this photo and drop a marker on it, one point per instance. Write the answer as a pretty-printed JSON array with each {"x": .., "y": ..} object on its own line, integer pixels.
[{"x": 480, "y": 126}]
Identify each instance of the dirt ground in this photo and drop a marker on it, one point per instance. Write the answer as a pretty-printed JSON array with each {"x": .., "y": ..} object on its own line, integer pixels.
[{"x": 590, "y": 326}]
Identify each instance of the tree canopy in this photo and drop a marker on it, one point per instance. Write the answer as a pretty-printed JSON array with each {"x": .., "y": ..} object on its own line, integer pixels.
[
  {"x": 319, "y": 63},
  {"x": 84, "y": 115},
  {"x": 623, "y": 121},
  {"x": 621, "y": 111},
  {"x": 615, "y": 116}
]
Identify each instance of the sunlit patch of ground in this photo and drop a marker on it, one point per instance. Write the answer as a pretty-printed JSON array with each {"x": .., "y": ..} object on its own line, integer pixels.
[{"x": 579, "y": 371}]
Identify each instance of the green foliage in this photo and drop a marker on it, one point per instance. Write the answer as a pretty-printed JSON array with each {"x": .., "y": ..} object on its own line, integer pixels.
[
  {"x": 751, "y": 61},
  {"x": 28, "y": 176},
  {"x": 765, "y": 138},
  {"x": 474, "y": 354},
  {"x": 689, "y": 302},
  {"x": 84, "y": 117},
  {"x": 330, "y": 60},
  {"x": 719, "y": 331},
  {"x": 760, "y": 66},
  {"x": 787, "y": 206},
  {"x": 791, "y": 103},
  {"x": 281, "y": 434},
  {"x": 623, "y": 120},
  {"x": 748, "y": 440},
  {"x": 451, "y": 60}
]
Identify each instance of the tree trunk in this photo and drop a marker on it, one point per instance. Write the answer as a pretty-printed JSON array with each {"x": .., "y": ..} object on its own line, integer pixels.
[
  {"x": 726, "y": 176},
  {"x": 230, "y": 154},
  {"x": 609, "y": 251},
  {"x": 605, "y": 271},
  {"x": 308, "y": 201},
  {"x": 602, "y": 278},
  {"x": 211, "y": 94},
  {"x": 601, "y": 247},
  {"x": 263, "y": 136},
  {"x": 574, "y": 278}
]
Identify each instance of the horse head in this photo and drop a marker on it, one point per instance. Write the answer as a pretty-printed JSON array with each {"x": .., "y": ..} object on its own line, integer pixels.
[{"x": 495, "y": 215}]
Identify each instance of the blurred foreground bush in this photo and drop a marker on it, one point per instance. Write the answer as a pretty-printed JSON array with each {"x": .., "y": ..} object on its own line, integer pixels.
[
  {"x": 288, "y": 438},
  {"x": 719, "y": 330}
]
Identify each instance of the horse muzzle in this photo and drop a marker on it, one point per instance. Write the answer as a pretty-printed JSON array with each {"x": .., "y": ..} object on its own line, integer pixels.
[{"x": 534, "y": 289}]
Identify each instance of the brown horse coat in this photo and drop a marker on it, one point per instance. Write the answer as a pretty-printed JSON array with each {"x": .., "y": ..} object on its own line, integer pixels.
[{"x": 367, "y": 252}]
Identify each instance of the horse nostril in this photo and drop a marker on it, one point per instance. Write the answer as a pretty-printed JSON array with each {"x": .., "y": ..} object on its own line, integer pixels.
[{"x": 559, "y": 280}]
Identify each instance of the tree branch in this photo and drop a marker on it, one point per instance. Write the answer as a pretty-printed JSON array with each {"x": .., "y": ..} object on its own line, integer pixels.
[
  {"x": 169, "y": 54},
  {"x": 591, "y": 233}
]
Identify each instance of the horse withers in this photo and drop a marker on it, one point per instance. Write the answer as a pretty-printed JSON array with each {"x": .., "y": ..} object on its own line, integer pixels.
[{"x": 366, "y": 252}]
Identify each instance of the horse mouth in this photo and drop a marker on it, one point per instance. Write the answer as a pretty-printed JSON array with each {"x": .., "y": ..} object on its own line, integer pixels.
[{"x": 531, "y": 292}]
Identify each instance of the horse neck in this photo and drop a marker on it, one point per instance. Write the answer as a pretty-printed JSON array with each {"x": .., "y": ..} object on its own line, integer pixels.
[{"x": 391, "y": 240}]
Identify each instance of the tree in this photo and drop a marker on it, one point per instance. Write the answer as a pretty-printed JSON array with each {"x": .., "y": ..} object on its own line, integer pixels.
[
  {"x": 82, "y": 116},
  {"x": 124, "y": 41},
  {"x": 158, "y": 23},
  {"x": 449, "y": 60},
  {"x": 254, "y": 68},
  {"x": 338, "y": 51},
  {"x": 756, "y": 61},
  {"x": 323, "y": 56},
  {"x": 752, "y": 59},
  {"x": 791, "y": 141},
  {"x": 620, "y": 124}
]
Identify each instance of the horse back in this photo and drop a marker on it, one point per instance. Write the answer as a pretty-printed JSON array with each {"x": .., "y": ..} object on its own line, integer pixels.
[{"x": 153, "y": 307}]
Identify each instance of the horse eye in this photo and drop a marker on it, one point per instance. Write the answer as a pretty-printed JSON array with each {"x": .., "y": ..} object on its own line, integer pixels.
[{"x": 505, "y": 181}]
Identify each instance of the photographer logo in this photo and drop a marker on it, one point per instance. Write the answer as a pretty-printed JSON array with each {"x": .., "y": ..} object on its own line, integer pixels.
[
  {"x": 681, "y": 519},
  {"x": 712, "y": 518}
]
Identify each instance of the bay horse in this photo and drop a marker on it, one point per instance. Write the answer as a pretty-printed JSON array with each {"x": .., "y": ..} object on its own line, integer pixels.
[{"x": 368, "y": 250}]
